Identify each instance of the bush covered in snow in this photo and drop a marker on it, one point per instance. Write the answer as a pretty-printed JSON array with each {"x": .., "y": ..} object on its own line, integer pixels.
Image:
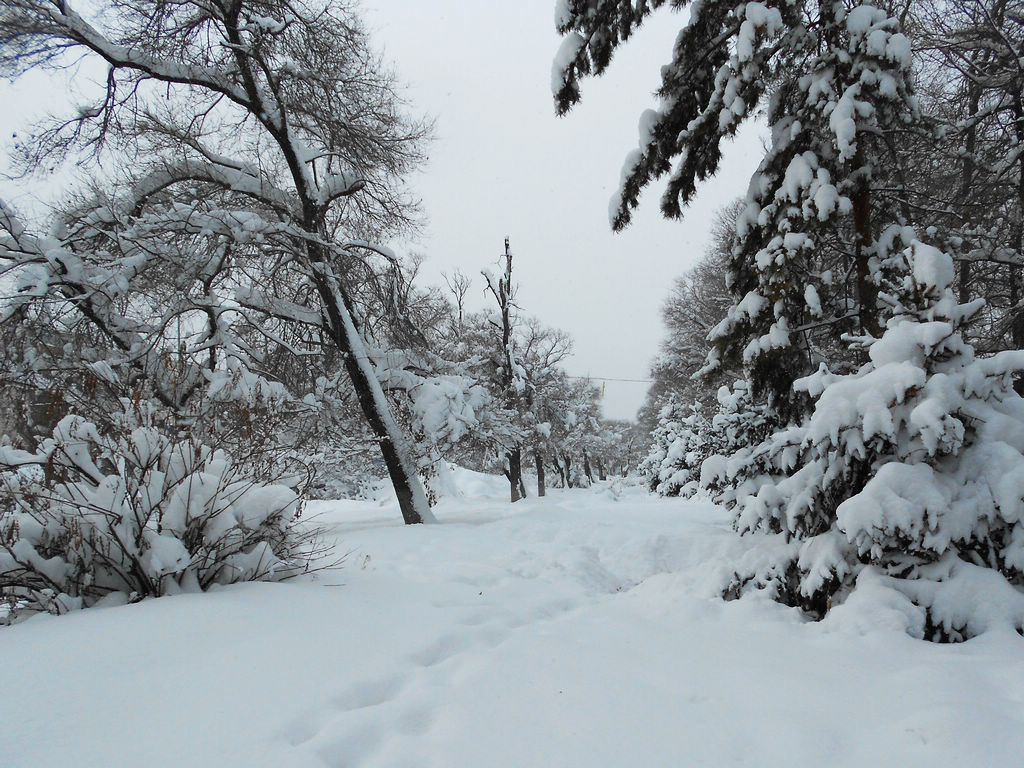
[
  {"x": 686, "y": 437},
  {"x": 679, "y": 440},
  {"x": 126, "y": 515},
  {"x": 910, "y": 469}
]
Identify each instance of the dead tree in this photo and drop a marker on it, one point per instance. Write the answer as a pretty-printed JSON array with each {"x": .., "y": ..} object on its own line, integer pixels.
[{"x": 510, "y": 373}]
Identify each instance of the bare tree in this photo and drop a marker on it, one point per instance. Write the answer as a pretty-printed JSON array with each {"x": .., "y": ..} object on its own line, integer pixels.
[
  {"x": 458, "y": 286},
  {"x": 970, "y": 182},
  {"x": 511, "y": 373},
  {"x": 696, "y": 303},
  {"x": 282, "y": 103}
]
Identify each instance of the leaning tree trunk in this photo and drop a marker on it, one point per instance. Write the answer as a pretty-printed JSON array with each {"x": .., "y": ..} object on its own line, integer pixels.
[
  {"x": 538, "y": 462},
  {"x": 515, "y": 474},
  {"x": 394, "y": 448},
  {"x": 338, "y": 306}
]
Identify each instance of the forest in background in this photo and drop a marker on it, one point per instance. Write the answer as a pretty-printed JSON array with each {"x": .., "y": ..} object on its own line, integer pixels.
[{"x": 217, "y": 329}]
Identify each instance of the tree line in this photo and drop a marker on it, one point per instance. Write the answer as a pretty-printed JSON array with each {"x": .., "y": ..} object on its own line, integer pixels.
[
  {"x": 214, "y": 325},
  {"x": 842, "y": 369}
]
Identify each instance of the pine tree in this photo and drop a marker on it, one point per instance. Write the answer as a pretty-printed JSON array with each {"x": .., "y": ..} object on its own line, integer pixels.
[
  {"x": 809, "y": 206},
  {"x": 807, "y": 252},
  {"x": 680, "y": 444},
  {"x": 911, "y": 468}
]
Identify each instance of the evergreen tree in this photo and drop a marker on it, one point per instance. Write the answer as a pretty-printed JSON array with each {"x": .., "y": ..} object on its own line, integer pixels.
[
  {"x": 679, "y": 442},
  {"x": 807, "y": 255},
  {"x": 912, "y": 465},
  {"x": 690, "y": 445}
]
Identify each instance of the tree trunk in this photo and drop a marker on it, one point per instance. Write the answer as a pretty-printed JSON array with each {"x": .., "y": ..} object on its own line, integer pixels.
[
  {"x": 1016, "y": 327},
  {"x": 568, "y": 469},
  {"x": 412, "y": 499},
  {"x": 586, "y": 467},
  {"x": 1017, "y": 316},
  {"x": 515, "y": 474},
  {"x": 966, "y": 182},
  {"x": 867, "y": 291},
  {"x": 538, "y": 462},
  {"x": 561, "y": 472},
  {"x": 601, "y": 474}
]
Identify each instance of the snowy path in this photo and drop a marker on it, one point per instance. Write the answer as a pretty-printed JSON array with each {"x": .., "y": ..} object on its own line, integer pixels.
[{"x": 572, "y": 631}]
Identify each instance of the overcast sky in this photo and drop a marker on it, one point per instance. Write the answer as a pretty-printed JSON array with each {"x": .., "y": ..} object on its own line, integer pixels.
[{"x": 502, "y": 164}]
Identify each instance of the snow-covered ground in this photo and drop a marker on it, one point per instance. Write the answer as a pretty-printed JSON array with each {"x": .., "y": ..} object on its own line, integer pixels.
[{"x": 576, "y": 630}]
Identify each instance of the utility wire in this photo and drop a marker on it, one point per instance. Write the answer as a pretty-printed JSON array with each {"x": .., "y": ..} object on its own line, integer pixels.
[{"x": 601, "y": 378}]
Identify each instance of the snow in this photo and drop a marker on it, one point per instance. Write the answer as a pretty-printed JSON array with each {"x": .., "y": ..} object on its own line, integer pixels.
[
  {"x": 566, "y": 54},
  {"x": 563, "y": 14},
  {"x": 931, "y": 267},
  {"x": 813, "y": 300},
  {"x": 581, "y": 629},
  {"x": 757, "y": 18}
]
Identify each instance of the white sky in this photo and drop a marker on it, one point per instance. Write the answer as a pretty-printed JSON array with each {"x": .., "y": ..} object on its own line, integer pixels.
[{"x": 503, "y": 164}]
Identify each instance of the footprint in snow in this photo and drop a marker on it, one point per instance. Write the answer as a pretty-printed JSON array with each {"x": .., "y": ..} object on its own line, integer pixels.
[
  {"x": 370, "y": 694},
  {"x": 440, "y": 651}
]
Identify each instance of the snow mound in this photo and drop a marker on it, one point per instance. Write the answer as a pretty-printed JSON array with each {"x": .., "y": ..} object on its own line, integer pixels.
[{"x": 583, "y": 629}]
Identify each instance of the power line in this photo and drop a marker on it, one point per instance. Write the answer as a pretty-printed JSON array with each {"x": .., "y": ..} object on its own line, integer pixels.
[{"x": 602, "y": 378}]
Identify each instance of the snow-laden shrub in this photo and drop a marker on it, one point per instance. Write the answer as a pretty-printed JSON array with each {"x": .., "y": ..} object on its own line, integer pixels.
[
  {"x": 578, "y": 478},
  {"x": 685, "y": 438},
  {"x": 132, "y": 514},
  {"x": 680, "y": 443},
  {"x": 913, "y": 465},
  {"x": 739, "y": 424},
  {"x": 345, "y": 472}
]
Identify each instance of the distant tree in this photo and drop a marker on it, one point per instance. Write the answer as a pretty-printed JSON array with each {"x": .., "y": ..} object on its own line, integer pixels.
[
  {"x": 696, "y": 303},
  {"x": 458, "y": 286},
  {"x": 510, "y": 375},
  {"x": 688, "y": 434},
  {"x": 518, "y": 360}
]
